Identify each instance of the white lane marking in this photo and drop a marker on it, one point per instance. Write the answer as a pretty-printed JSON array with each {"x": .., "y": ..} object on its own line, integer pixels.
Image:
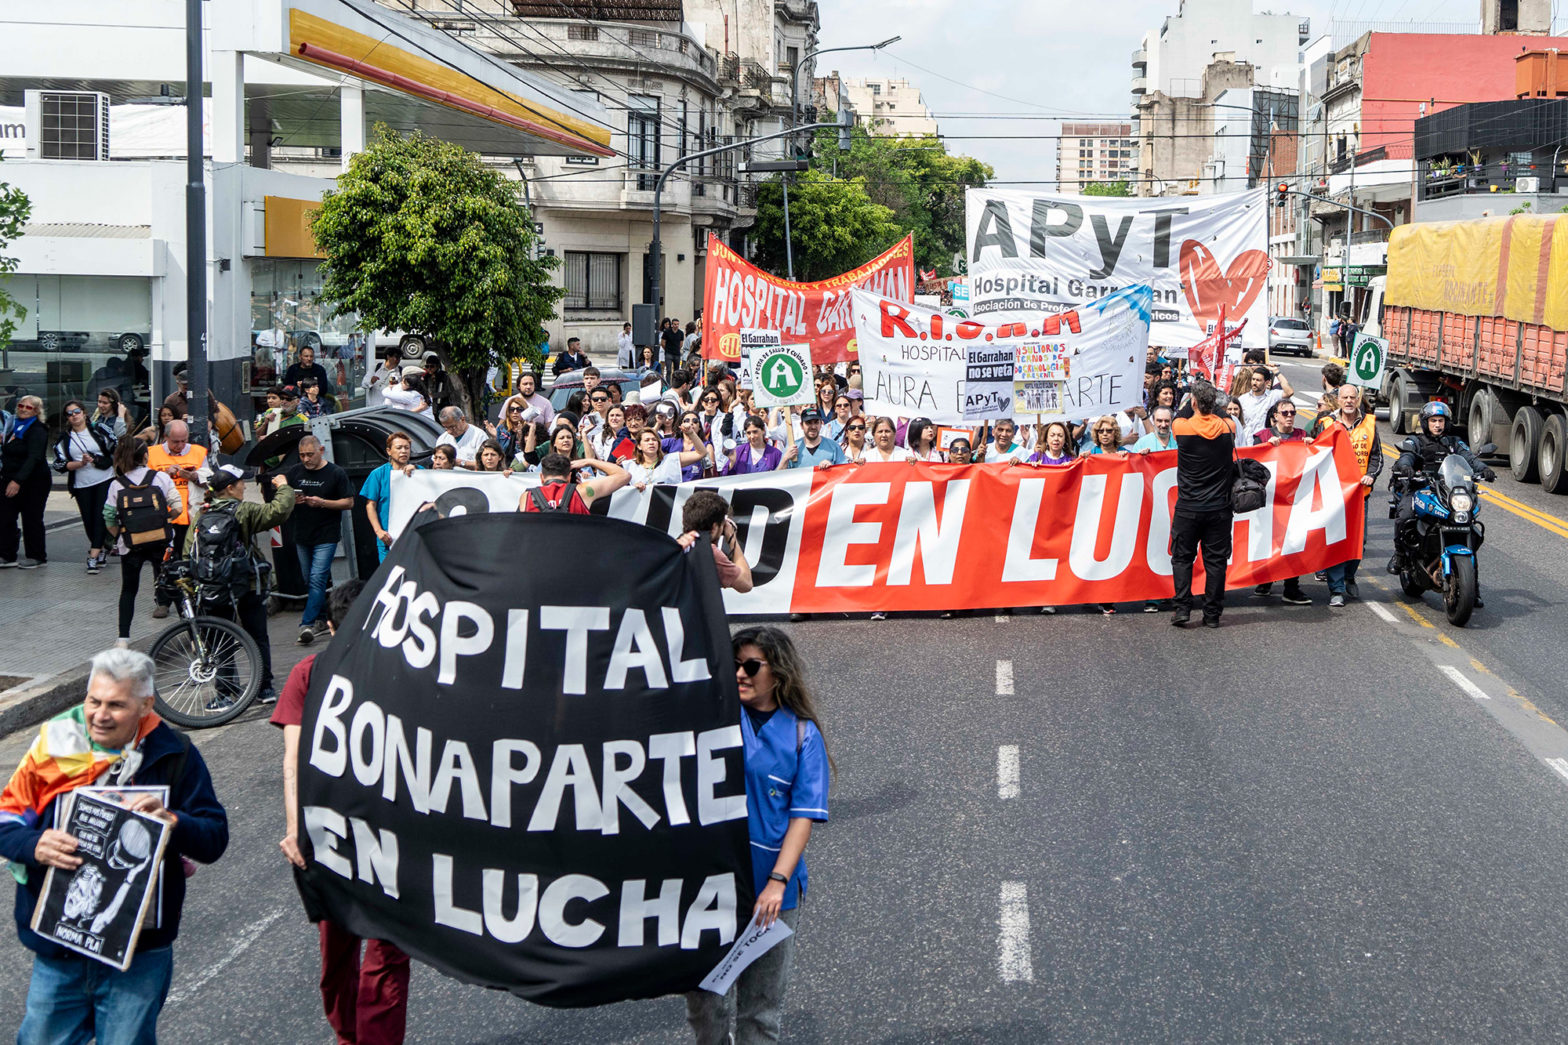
[
  {"x": 1007, "y": 771},
  {"x": 247, "y": 936},
  {"x": 1015, "y": 962},
  {"x": 1559, "y": 766},
  {"x": 1383, "y": 612},
  {"x": 1463, "y": 683},
  {"x": 1004, "y": 678},
  {"x": 1003, "y": 618}
]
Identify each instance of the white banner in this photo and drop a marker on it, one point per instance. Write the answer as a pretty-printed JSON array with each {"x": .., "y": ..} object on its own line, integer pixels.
[
  {"x": 1033, "y": 252},
  {"x": 915, "y": 360}
]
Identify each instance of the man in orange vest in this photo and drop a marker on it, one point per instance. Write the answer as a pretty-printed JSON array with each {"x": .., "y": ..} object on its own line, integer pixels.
[
  {"x": 183, "y": 463},
  {"x": 1362, "y": 429}
]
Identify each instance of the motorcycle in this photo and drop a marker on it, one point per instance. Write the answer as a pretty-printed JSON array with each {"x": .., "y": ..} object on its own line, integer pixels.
[{"x": 1440, "y": 549}]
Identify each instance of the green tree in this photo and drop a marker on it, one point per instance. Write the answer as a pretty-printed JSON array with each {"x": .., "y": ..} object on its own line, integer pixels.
[
  {"x": 421, "y": 236},
  {"x": 1107, "y": 188},
  {"x": 15, "y": 208},
  {"x": 835, "y": 225}
]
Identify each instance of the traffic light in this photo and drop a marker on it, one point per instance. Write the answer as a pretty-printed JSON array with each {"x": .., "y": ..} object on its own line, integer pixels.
[{"x": 1281, "y": 194}]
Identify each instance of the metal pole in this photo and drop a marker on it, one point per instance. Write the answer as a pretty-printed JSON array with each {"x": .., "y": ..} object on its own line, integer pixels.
[
  {"x": 195, "y": 232},
  {"x": 789, "y": 245},
  {"x": 655, "y": 259}
]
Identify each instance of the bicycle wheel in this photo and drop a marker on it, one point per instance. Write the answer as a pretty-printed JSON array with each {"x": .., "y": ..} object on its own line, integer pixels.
[{"x": 207, "y": 671}]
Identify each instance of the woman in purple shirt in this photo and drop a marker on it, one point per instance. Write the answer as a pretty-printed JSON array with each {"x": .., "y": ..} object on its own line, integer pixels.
[
  {"x": 755, "y": 454},
  {"x": 688, "y": 437},
  {"x": 1055, "y": 445}
]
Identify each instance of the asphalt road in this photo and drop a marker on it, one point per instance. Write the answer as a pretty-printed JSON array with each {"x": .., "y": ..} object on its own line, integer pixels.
[{"x": 1309, "y": 825}]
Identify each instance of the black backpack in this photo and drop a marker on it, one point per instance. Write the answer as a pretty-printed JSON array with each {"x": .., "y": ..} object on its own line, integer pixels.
[
  {"x": 142, "y": 511},
  {"x": 222, "y": 556}
]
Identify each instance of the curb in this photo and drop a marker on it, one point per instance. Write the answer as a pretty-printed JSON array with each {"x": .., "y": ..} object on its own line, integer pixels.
[{"x": 43, "y": 700}]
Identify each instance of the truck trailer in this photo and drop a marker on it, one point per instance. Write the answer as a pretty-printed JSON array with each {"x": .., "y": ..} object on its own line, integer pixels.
[{"x": 1476, "y": 315}]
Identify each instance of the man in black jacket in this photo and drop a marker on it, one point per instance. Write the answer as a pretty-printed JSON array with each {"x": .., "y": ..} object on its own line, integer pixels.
[
  {"x": 113, "y": 739},
  {"x": 1205, "y": 454},
  {"x": 1432, "y": 445}
]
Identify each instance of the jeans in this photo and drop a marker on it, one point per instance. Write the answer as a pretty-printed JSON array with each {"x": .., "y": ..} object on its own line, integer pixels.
[
  {"x": 755, "y": 1000},
  {"x": 70, "y": 1000},
  {"x": 1343, "y": 573},
  {"x": 315, "y": 562},
  {"x": 366, "y": 1000},
  {"x": 1213, "y": 531}
]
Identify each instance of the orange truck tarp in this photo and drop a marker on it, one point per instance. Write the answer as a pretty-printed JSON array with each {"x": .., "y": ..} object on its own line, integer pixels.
[
  {"x": 738, "y": 295},
  {"x": 1515, "y": 267}
]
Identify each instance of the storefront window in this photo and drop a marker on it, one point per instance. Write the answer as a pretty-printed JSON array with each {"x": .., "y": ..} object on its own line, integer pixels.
[
  {"x": 81, "y": 334},
  {"x": 287, "y": 314}
]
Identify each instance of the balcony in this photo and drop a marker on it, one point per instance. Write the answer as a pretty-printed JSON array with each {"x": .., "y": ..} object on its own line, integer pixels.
[
  {"x": 802, "y": 11},
  {"x": 1140, "y": 85},
  {"x": 568, "y": 42},
  {"x": 1140, "y": 59}
]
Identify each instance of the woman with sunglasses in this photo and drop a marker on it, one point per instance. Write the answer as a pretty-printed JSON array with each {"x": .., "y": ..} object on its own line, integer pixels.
[
  {"x": 788, "y": 770},
  {"x": 24, "y": 486},
  {"x": 85, "y": 454},
  {"x": 755, "y": 453},
  {"x": 855, "y": 447},
  {"x": 842, "y": 409},
  {"x": 1107, "y": 436},
  {"x": 1281, "y": 419}
]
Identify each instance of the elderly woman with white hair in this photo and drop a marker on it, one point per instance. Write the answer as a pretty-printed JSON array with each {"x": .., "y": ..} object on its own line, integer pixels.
[{"x": 24, "y": 486}]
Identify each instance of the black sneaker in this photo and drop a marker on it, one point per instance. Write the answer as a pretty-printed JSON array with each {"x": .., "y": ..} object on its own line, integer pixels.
[
  {"x": 7, "y": 564},
  {"x": 1296, "y": 598},
  {"x": 1211, "y": 622},
  {"x": 221, "y": 702},
  {"x": 267, "y": 696},
  {"x": 1180, "y": 618},
  {"x": 307, "y": 635},
  {"x": 32, "y": 564},
  {"x": 93, "y": 565},
  {"x": 1263, "y": 591},
  {"x": 1351, "y": 591}
]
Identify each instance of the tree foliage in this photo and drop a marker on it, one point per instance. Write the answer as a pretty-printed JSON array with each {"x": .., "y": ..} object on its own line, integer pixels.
[
  {"x": 914, "y": 179},
  {"x": 421, "y": 236},
  {"x": 1107, "y": 188},
  {"x": 835, "y": 225},
  {"x": 15, "y": 209}
]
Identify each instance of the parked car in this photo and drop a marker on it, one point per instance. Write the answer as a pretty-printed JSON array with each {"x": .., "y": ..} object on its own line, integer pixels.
[
  {"x": 1290, "y": 335},
  {"x": 572, "y": 381}
]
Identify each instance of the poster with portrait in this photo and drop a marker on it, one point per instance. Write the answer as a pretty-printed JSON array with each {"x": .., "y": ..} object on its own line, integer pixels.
[{"x": 97, "y": 908}]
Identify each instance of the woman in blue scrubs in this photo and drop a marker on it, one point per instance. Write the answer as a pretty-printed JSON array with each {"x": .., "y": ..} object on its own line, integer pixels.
[{"x": 787, "y": 769}]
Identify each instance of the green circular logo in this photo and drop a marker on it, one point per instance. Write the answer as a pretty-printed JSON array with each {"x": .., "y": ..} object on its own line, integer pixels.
[
  {"x": 1369, "y": 359},
  {"x": 781, "y": 375}
]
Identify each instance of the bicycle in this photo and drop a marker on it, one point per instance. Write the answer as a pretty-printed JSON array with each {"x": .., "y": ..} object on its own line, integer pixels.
[{"x": 207, "y": 670}]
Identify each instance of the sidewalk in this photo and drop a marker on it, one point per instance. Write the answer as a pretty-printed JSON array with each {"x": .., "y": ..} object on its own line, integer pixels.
[{"x": 55, "y": 618}]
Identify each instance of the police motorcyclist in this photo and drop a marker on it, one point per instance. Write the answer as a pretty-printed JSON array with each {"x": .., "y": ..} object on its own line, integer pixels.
[{"x": 1432, "y": 445}]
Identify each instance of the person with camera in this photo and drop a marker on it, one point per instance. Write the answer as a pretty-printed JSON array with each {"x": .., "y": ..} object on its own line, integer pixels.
[
  {"x": 707, "y": 512},
  {"x": 222, "y": 540}
]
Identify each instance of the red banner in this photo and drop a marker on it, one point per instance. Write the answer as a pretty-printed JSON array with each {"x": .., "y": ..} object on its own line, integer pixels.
[
  {"x": 738, "y": 295},
  {"x": 858, "y": 538}
]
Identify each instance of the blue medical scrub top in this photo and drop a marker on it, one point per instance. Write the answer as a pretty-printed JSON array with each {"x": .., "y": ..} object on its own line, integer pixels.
[
  {"x": 782, "y": 785},
  {"x": 378, "y": 489}
]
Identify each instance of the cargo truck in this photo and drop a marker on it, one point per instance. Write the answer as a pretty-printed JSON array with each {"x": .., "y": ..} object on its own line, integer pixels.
[{"x": 1476, "y": 315}]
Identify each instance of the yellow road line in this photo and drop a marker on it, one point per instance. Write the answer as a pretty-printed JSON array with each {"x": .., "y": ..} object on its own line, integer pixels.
[{"x": 1415, "y": 616}]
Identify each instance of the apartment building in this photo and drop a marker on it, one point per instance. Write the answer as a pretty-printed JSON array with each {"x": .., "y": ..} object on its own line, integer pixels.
[{"x": 1087, "y": 153}]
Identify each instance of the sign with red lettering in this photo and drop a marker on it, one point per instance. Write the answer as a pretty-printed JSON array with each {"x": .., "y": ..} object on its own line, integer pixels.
[
  {"x": 942, "y": 536},
  {"x": 737, "y": 294}
]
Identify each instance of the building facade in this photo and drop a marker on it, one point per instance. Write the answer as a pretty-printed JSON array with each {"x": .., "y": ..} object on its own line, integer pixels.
[{"x": 1089, "y": 153}]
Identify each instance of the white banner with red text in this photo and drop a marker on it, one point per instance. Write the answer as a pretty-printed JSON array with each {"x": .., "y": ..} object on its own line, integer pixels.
[
  {"x": 948, "y": 537},
  {"x": 1032, "y": 252}
]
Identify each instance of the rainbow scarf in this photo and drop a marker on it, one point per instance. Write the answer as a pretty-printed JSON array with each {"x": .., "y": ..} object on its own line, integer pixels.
[{"x": 63, "y": 757}]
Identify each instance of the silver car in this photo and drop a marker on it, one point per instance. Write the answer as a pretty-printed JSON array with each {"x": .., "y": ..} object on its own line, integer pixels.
[{"x": 1290, "y": 335}]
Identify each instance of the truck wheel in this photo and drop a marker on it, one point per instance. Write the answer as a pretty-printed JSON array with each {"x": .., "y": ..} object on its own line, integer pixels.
[
  {"x": 1480, "y": 427},
  {"x": 1524, "y": 442},
  {"x": 1554, "y": 450},
  {"x": 1396, "y": 405}
]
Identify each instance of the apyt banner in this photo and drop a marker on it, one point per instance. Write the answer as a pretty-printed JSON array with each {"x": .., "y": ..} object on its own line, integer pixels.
[
  {"x": 522, "y": 783},
  {"x": 922, "y": 362},
  {"x": 948, "y": 537},
  {"x": 737, "y": 294},
  {"x": 1032, "y": 252}
]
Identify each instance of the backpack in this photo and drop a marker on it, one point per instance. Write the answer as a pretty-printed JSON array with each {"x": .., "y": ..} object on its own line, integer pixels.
[
  {"x": 536, "y": 494},
  {"x": 142, "y": 510},
  {"x": 222, "y": 554}
]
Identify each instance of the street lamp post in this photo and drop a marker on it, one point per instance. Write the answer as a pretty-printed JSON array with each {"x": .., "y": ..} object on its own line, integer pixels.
[
  {"x": 656, "y": 257},
  {"x": 794, "y": 110}
]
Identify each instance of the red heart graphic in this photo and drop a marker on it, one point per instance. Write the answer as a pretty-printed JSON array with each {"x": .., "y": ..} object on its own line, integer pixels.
[{"x": 1208, "y": 291}]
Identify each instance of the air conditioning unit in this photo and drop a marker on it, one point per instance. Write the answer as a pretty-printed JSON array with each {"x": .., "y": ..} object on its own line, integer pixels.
[
  {"x": 67, "y": 125},
  {"x": 1527, "y": 184}
]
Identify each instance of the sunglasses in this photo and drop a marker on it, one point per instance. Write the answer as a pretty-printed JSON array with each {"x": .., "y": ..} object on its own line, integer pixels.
[
  {"x": 25, "y": 406},
  {"x": 598, "y": 399},
  {"x": 751, "y": 667},
  {"x": 1287, "y": 413},
  {"x": 856, "y": 428},
  {"x": 72, "y": 413}
]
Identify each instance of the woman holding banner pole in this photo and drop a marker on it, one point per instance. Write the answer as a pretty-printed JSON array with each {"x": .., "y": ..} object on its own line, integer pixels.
[{"x": 787, "y": 770}]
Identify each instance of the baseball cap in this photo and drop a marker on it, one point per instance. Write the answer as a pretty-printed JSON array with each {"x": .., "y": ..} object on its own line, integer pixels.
[
  {"x": 855, "y": 393},
  {"x": 412, "y": 368},
  {"x": 811, "y": 413},
  {"x": 227, "y": 475},
  {"x": 288, "y": 391}
]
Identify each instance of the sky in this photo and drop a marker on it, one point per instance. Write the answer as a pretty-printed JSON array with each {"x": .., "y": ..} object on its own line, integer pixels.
[{"x": 1038, "y": 63}]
